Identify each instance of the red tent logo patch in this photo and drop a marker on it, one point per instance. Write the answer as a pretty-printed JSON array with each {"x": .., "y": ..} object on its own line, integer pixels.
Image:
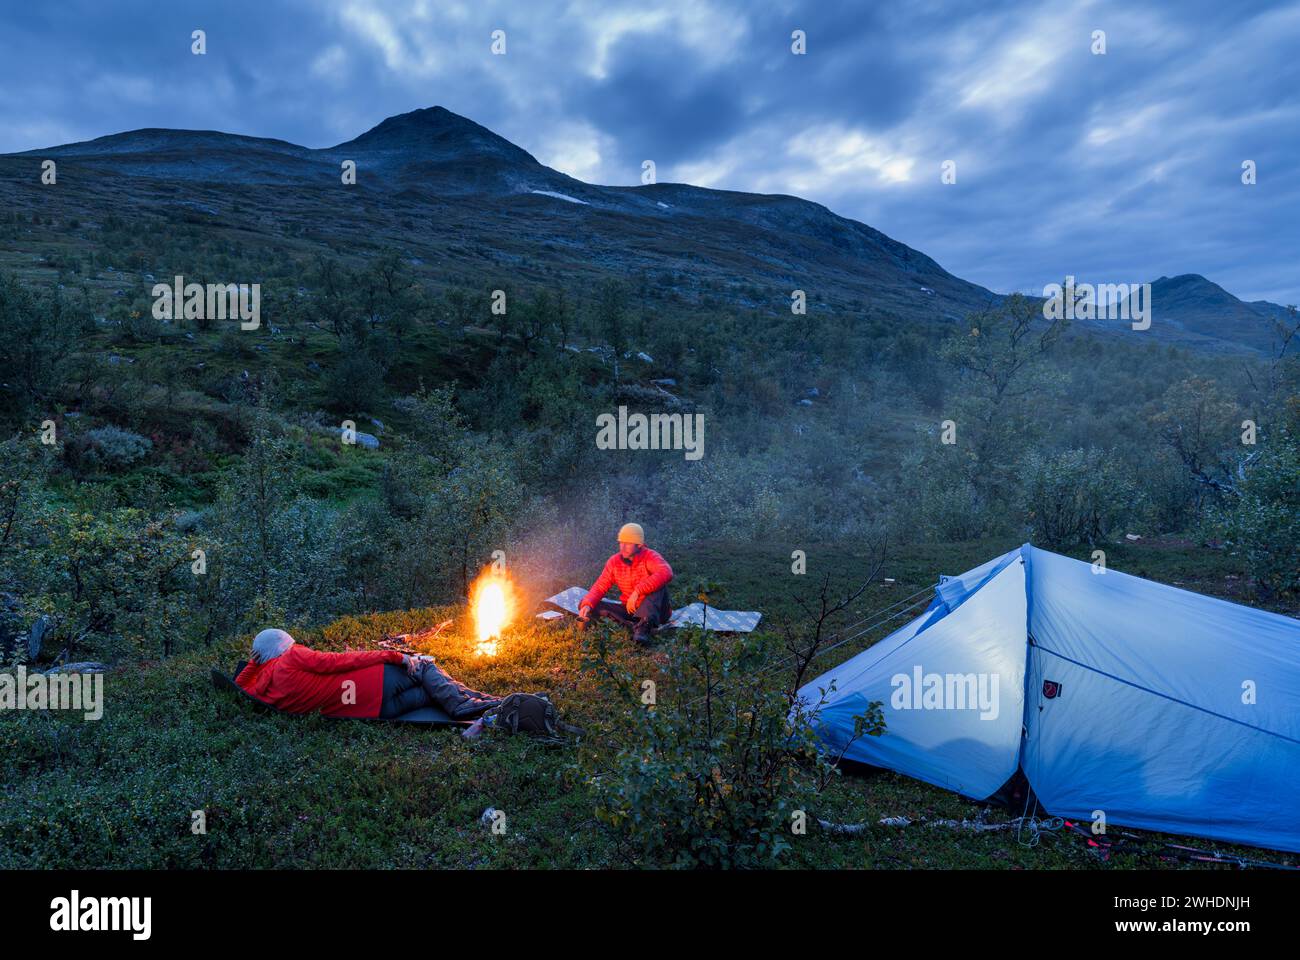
[{"x": 1051, "y": 689}]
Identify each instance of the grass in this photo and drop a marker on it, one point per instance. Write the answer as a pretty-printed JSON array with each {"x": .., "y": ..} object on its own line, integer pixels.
[{"x": 310, "y": 792}]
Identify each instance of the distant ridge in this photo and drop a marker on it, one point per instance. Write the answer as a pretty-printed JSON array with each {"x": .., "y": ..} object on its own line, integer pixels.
[{"x": 444, "y": 185}]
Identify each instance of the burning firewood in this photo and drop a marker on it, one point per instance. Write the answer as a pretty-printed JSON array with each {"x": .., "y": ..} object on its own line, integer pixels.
[
  {"x": 404, "y": 642},
  {"x": 492, "y": 604}
]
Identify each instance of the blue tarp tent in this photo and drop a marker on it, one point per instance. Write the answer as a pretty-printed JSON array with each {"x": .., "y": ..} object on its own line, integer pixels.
[{"x": 1161, "y": 708}]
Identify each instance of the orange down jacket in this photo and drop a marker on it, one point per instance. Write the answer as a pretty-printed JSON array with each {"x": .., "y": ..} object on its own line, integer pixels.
[
  {"x": 306, "y": 681},
  {"x": 644, "y": 572}
]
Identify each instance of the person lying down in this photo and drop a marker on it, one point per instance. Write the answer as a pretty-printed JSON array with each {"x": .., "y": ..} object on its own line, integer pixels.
[{"x": 364, "y": 683}]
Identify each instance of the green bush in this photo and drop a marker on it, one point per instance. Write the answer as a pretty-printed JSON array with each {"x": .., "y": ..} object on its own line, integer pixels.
[
  {"x": 708, "y": 767},
  {"x": 356, "y": 381},
  {"x": 115, "y": 582},
  {"x": 108, "y": 449},
  {"x": 937, "y": 499},
  {"x": 38, "y": 333},
  {"x": 1075, "y": 497},
  {"x": 1263, "y": 524}
]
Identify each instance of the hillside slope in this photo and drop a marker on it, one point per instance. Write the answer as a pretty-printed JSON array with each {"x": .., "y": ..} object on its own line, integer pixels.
[
  {"x": 439, "y": 185},
  {"x": 474, "y": 209}
]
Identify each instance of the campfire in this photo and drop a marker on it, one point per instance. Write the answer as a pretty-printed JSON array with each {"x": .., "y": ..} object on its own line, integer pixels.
[{"x": 491, "y": 604}]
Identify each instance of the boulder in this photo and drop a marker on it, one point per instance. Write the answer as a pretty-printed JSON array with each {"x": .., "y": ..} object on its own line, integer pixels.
[
  {"x": 41, "y": 629},
  {"x": 81, "y": 666},
  {"x": 367, "y": 440}
]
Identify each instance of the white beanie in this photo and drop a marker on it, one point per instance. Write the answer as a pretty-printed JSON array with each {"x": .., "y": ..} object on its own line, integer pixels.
[{"x": 269, "y": 644}]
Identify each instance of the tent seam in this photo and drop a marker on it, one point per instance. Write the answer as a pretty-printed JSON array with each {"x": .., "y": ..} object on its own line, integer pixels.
[{"x": 1157, "y": 693}]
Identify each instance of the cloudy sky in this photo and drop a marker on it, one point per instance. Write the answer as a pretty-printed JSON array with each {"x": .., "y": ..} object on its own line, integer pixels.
[{"x": 1116, "y": 168}]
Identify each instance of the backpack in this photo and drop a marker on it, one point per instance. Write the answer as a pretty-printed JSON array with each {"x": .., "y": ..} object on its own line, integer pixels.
[{"x": 528, "y": 713}]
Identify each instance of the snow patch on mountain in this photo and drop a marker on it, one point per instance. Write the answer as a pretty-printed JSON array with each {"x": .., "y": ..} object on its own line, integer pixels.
[{"x": 559, "y": 196}]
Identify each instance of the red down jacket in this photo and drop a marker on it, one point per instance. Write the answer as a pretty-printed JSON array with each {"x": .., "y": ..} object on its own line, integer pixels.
[
  {"x": 304, "y": 681},
  {"x": 645, "y": 572}
]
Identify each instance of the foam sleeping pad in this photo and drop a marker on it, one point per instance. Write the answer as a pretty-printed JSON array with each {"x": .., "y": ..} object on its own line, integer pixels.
[{"x": 693, "y": 614}]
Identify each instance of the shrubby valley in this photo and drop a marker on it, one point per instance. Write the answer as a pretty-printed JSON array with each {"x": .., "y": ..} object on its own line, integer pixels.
[{"x": 435, "y": 347}]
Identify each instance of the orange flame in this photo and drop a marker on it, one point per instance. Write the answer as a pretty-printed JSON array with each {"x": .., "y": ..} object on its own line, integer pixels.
[{"x": 492, "y": 605}]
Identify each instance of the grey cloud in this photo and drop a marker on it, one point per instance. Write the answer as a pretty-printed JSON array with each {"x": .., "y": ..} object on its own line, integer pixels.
[{"x": 1125, "y": 166}]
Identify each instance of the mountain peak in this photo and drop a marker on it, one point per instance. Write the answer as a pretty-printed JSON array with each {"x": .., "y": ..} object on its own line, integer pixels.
[
  {"x": 1185, "y": 280},
  {"x": 1192, "y": 287},
  {"x": 436, "y": 134},
  {"x": 425, "y": 118},
  {"x": 1199, "y": 310}
]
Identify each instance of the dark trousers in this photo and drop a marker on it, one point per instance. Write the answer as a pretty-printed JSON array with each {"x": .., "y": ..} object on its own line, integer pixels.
[
  {"x": 651, "y": 613},
  {"x": 430, "y": 687}
]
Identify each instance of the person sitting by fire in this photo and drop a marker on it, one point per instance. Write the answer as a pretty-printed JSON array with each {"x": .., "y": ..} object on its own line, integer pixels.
[
  {"x": 364, "y": 683},
  {"x": 642, "y": 577}
]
